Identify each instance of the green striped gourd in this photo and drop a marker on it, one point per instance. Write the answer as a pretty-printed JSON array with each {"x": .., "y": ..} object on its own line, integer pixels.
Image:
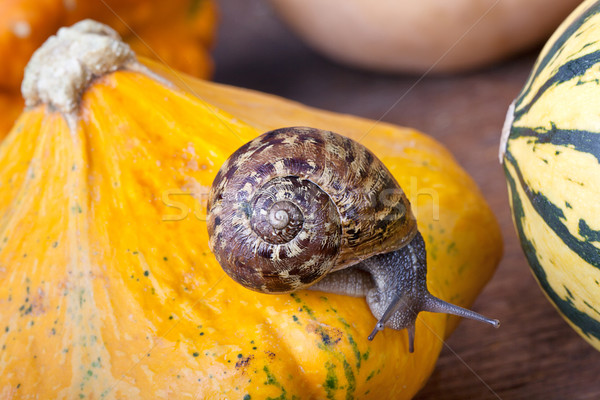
[{"x": 550, "y": 150}]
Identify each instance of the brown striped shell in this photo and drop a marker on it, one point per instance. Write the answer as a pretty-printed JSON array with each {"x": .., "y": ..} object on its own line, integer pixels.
[{"x": 296, "y": 203}]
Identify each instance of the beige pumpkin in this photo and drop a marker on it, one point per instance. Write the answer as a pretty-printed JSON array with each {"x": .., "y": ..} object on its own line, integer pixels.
[{"x": 416, "y": 36}]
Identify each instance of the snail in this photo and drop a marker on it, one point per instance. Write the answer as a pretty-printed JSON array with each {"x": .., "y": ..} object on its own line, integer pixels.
[{"x": 301, "y": 208}]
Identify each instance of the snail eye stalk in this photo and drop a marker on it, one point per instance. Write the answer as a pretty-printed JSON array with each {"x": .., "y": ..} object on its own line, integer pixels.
[{"x": 409, "y": 296}]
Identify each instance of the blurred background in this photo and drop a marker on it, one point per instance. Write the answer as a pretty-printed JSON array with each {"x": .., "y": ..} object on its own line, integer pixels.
[{"x": 534, "y": 354}]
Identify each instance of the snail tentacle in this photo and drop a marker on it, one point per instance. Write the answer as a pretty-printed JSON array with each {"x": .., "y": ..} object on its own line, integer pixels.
[{"x": 401, "y": 290}]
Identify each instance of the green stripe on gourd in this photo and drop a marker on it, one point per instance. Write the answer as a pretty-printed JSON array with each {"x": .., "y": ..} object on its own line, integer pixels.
[
  {"x": 564, "y": 221},
  {"x": 551, "y": 154},
  {"x": 558, "y": 283},
  {"x": 582, "y": 141},
  {"x": 576, "y": 68},
  {"x": 559, "y": 49}
]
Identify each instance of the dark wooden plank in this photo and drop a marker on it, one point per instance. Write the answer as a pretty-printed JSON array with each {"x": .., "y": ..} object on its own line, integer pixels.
[{"x": 535, "y": 354}]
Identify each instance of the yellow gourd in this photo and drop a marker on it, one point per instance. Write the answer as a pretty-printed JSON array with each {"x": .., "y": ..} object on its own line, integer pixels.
[
  {"x": 108, "y": 288},
  {"x": 550, "y": 151}
]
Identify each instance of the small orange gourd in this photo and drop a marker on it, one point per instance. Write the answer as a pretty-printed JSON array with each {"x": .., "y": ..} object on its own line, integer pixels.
[
  {"x": 108, "y": 287},
  {"x": 179, "y": 33},
  {"x": 11, "y": 105}
]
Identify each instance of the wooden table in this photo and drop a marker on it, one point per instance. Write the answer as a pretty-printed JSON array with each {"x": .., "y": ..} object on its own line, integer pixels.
[{"x": 535, "y": 354}]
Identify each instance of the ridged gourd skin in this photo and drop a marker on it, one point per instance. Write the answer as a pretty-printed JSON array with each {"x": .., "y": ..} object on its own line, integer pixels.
[
  {"x": 108, "y": 287},
  {"x": 551, "y": 156}
]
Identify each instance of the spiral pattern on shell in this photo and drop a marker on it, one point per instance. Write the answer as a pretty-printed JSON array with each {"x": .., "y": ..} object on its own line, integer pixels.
[{"x": 296, "y": 203}]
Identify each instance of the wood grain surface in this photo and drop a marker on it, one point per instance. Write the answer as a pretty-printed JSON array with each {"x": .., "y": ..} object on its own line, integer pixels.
[{"x": 534, "y": 354}]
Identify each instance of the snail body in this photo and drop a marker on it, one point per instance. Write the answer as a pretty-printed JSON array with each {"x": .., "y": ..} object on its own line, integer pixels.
[{"x": 300, "y": 208}]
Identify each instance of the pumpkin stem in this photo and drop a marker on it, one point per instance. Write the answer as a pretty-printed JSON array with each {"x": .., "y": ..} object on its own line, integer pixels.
[
  {"x": 510, "y": 117},
  {"x": 60, "y": 70}
]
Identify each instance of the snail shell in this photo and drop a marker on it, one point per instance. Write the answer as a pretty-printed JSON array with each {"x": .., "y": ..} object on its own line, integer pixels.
[
  {"x": 300, "y": 207},
  {"x": 297, "y": 203}
]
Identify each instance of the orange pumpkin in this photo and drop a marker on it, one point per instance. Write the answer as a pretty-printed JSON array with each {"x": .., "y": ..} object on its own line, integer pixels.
[
  {"x": 108, "y": 287},
  {"x": 25, "y": 24},
  {"x": 11, "y": 105},
  {"x": 178, "y": 33}
]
